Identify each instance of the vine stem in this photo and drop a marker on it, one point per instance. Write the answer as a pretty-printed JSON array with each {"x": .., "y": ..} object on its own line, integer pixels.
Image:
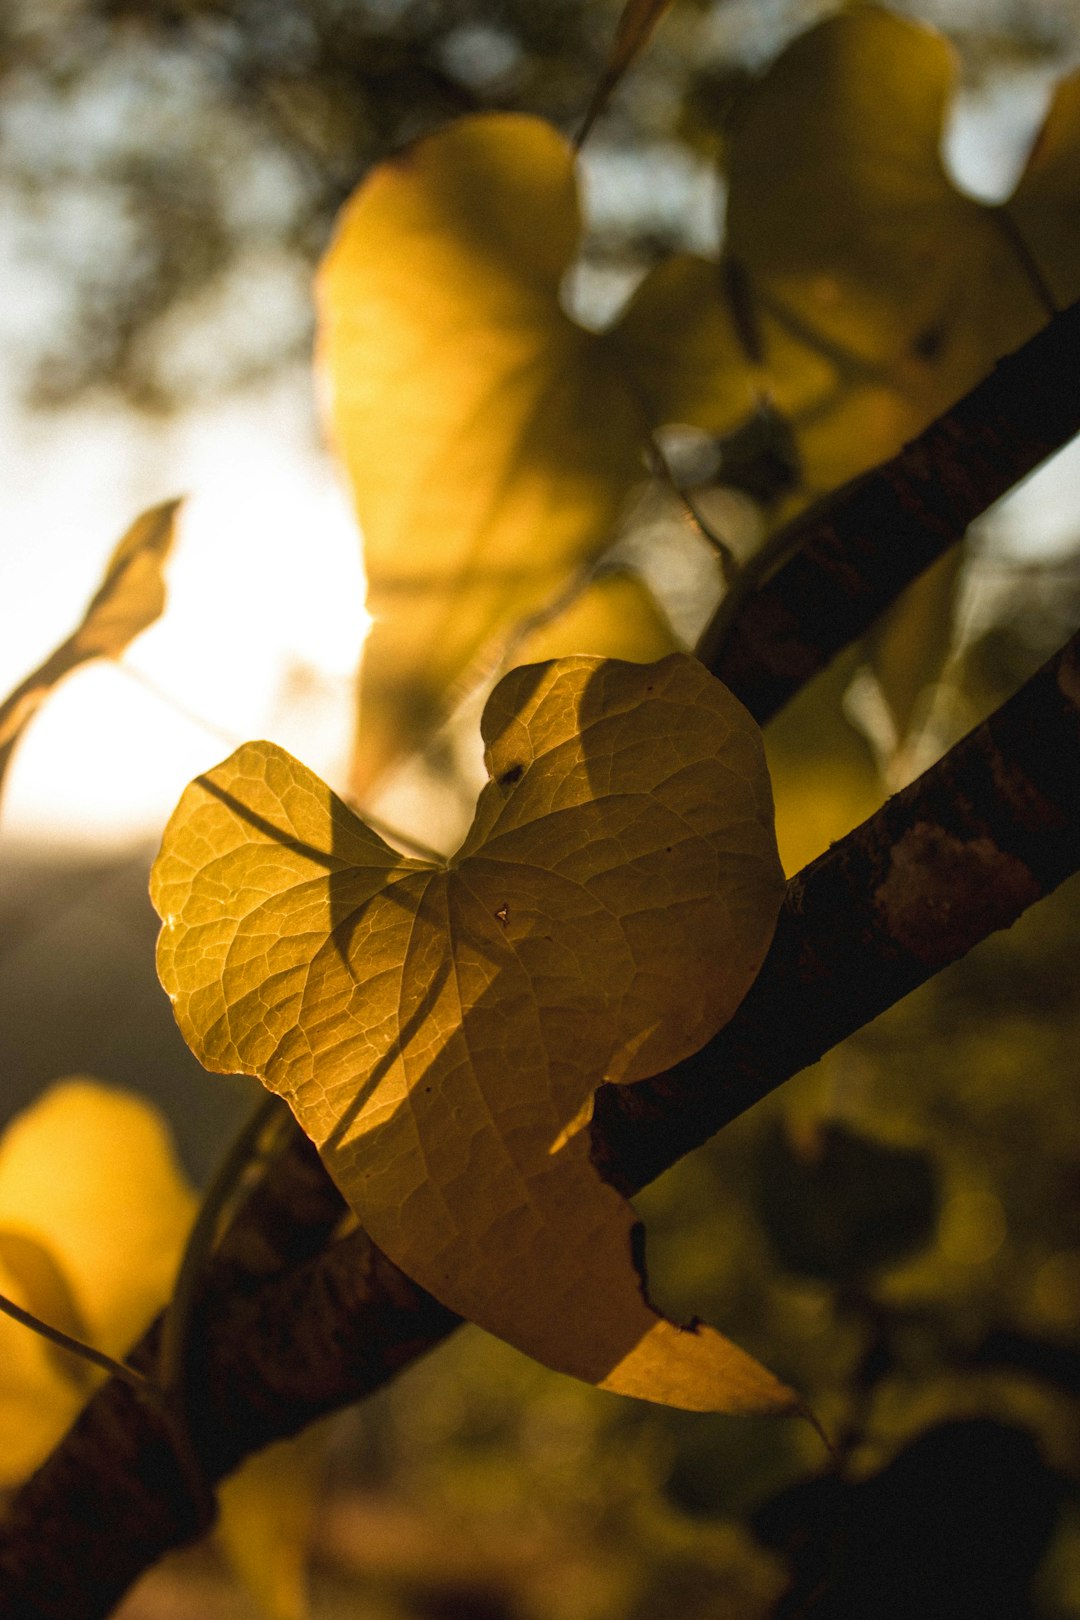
[
  {"x": 86, "y": 1352},
  {"x": 730, "y": 567}
]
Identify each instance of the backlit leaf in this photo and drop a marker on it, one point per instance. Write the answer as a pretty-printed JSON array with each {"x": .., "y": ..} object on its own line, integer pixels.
[
  {"x": 267, "y": 1511},
  {"x": 862, "y": 293},
  {"x": 131, "y": 596},
  {"x": 439, "y": 1032},
  {"x": 38, "y": 1397},
  {"x": 93, "y": 1216},
  {"x": 635, "y": 27},
  {"x": 908, "y": 646},
  {"x": 692, "y": 358},
  {"x": 89, "y": 1173},
  {"x": 1045, "y": 207},
  {"x": 839, "y": 206},
  {"x": 614, "y": 616},
  {"x": 489, "y": 440}
]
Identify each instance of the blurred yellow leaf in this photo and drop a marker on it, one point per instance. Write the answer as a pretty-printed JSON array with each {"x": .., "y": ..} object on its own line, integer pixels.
[
  {"x": 854, "y": 238},
  {"x": 691, "y": 357},
  {"x": 614, "y": 616},
  {"x": 825, "y": 779},
  {"x": 94, "y": 1216},
  {"x": 267, "y": 1510},
  {"x": 909, "y": 645},
  {"x": 129, "y": 599},
  {"x": 90, "y": 1174},
  {"x": 635, "y": 27},
  {"x": 1045, "y": 207},
  {"x": 39, "y": 1398},
  {"x": 46, "y": 1292},
  {"x": 439, "y": 1031},
  {"x": 839, "y": 206},
  {"x": 488, "y": 439},
  {"x": 861, "y": 292}
]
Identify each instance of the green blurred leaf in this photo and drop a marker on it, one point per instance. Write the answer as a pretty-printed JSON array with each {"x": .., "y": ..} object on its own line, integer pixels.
[{"x": 837, "y": 1205}]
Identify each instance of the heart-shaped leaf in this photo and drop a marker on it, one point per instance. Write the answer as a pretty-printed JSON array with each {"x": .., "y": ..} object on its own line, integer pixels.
[
  {"x": 439, "y": 1032},
  {"x": 861, "y": 291}
]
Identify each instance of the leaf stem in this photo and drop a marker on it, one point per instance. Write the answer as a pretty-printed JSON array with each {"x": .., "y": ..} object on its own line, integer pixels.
[
  {"x": 394, "y": 835},
  {"x": 65, "y": 1341},
  {"x": 1025, "y": 259},
  {"x": 730, "y": 567}
]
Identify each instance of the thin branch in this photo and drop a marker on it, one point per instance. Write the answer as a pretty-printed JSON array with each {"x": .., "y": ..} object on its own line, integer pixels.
[
  {"x": 960, "y": 853},
  {"x": 851, "y": 556},
  {"x": 75, "y": 1347}
]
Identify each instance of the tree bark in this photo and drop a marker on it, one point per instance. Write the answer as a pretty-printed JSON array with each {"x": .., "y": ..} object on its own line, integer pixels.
[{"x": 850, "y": 556}]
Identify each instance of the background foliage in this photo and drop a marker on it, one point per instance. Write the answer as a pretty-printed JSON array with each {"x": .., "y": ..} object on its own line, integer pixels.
[{"x": 897, "y": 1233}]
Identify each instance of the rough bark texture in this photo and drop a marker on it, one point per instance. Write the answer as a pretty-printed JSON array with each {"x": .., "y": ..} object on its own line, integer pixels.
[
  {"x": 994, "y": 826},
  {"x": 288, "y": 1328},
  {"x": 852, "y": 555}
]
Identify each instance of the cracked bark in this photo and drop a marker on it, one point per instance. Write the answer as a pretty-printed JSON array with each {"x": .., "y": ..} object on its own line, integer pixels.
[{"x": 289, "y": 1328}]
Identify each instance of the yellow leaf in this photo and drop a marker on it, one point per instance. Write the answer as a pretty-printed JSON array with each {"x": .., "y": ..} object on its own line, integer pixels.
[
  {"x": 39, "y": 1396},
  {"x": 488, "y": 439},
  {"x": 439, "y": 1032},
  {"x": 909, "y": 645},
  {"x": 89, "y": 1173},
  {"x": 129, "y": 599},
  {"x": 862, "y": 293},
  {"x": 93, "y": 1214},
  {"x": 691, "y": 358},
  {"x": 267, "y": 1510},
  {"x": 839, "y": 205},
  {"x": 1045, "y": 207},
  {"x": 45, "y": 1292},
  {"x": 633, "y": 32},
  {"x": 614, "y": 616}
]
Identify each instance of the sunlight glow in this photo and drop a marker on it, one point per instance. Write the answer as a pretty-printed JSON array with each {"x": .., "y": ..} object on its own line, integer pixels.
[{"x": 261, "y": 635}]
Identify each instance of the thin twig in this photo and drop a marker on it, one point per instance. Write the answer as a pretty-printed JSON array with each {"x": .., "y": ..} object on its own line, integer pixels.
[{"x": 65, "y": 1341}]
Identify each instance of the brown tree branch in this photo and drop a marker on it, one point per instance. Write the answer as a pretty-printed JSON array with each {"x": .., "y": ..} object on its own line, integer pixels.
[
  {"x": 287, "y": 1330},
  {"x": 851, "y": 556},
  {"x": 961, "y": 852}
]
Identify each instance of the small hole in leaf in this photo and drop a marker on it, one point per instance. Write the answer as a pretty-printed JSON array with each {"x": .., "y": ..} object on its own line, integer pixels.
[{"x": 513, "y": 774}]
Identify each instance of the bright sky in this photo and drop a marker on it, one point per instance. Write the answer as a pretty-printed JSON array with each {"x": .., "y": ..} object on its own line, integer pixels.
[{"x": 264, "y": 622}]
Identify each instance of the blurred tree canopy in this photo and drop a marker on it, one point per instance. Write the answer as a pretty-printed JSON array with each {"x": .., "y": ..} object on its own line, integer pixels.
[{"x": 171, "y": 168}]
